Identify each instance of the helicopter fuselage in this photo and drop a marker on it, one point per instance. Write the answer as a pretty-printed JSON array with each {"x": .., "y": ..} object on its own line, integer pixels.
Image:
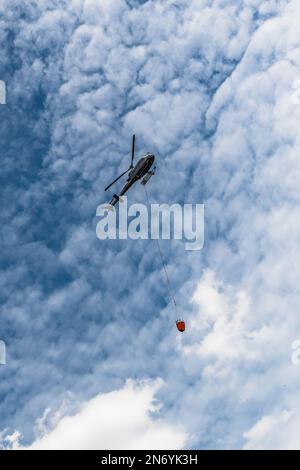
[{"x": 138, "y": 171}]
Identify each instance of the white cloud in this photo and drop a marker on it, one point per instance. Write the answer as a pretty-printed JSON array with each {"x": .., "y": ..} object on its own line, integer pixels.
[
  {"x": 117, "y": 420},
  {"x": 273, "y": 432},
  {"x": 227, "y": 315}
]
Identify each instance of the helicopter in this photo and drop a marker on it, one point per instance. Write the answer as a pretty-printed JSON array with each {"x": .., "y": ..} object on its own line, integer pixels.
[{"x": 142, "y": 169}]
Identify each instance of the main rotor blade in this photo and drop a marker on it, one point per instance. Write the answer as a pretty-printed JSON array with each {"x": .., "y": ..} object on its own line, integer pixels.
[
  {"x": 132, "y": 150},
  {"x": 114, "y": 181}
]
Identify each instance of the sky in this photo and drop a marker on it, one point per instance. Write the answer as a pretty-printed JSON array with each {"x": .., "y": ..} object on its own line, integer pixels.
[{"x": 210, "y": 87}]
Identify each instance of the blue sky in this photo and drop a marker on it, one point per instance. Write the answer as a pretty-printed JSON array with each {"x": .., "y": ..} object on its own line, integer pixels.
[{"x": 206, "y": 86}]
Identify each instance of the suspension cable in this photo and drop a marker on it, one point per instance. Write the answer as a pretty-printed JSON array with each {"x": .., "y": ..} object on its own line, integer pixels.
[{"x": 171, "y": 295}]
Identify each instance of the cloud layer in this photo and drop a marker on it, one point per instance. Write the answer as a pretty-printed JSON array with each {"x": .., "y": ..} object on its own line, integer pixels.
[
  {"x": 115, "y": 420},
  {"x": 207, "y": 86}
]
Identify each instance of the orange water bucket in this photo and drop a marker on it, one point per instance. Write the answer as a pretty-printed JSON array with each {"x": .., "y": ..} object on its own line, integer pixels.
[{"x": 180, "y": 325}]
